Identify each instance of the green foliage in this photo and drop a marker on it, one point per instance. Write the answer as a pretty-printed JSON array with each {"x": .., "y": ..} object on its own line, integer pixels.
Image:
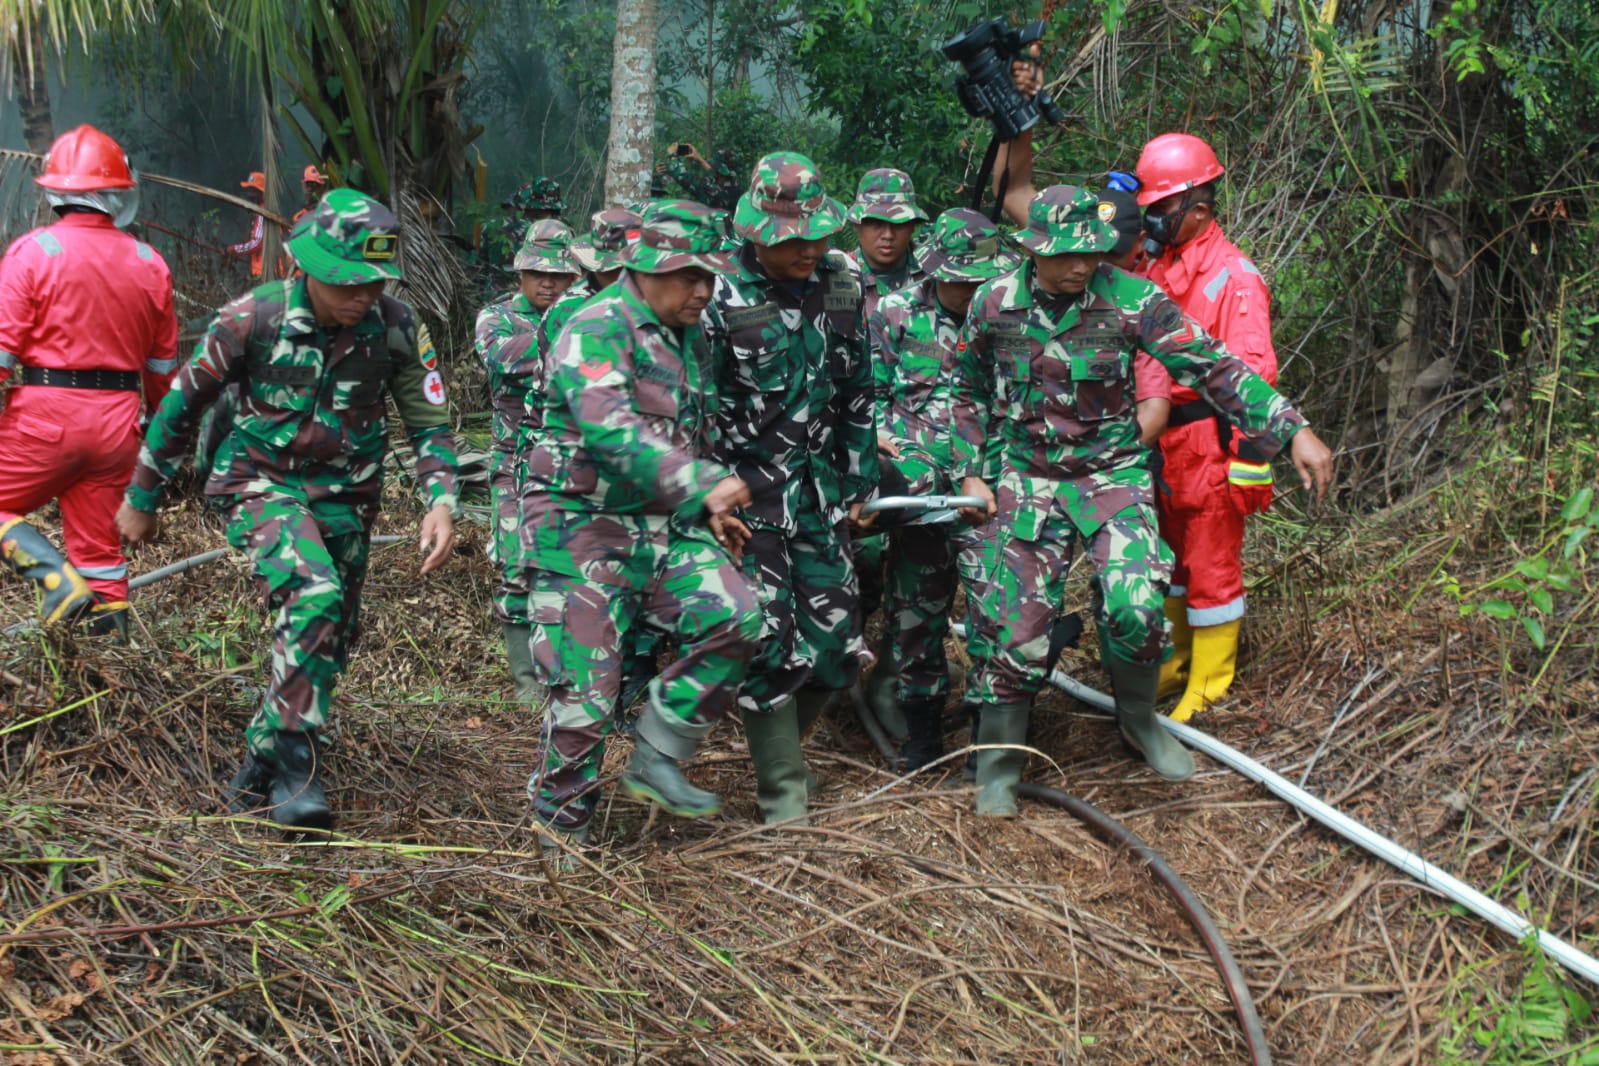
[{"x": 1535, "y": 1026}]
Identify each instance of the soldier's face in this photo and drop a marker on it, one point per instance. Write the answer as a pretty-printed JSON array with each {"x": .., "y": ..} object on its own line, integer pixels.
[
  {"x": 604, "y": 279},
  {"x": 542, "y": 289},
  {"x": 539, "y": 214},
  {"x": 313, "y": 192},
  {"x": 884, "y": 243},
  {"x": 678, "y": 296},
  {"x": 792, "y": 260},
  {"x": 342, "y": 305},
  {"x": 956, "y": 296},
  {"x": 1067, "y": 273}
]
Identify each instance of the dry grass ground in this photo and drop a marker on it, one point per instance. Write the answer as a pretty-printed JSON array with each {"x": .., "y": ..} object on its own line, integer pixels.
[{"x": 142, "y": 924}]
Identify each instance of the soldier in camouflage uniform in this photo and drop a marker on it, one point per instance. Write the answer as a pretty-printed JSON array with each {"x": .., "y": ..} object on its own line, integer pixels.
[
  {"x": 885, "y": 215},
  {"x": 302, "y": 470},
  {"x": 540, "y": 199},
  {"x": 915, "y": 338},
  {"x": 716, "y": 183},
  {"x": 636, "y": 530},
  {"x": 508, "y": 341},
  {"x": 1043, "y": 408},
  {"x": 794, "y": 421},
  {"x": 599, "y": 254}
]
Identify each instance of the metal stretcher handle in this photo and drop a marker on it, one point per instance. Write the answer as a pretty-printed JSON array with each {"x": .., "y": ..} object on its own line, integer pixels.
[{"x": 935, "y": 509}]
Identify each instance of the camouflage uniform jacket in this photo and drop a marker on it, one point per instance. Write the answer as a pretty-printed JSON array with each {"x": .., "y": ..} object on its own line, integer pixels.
[
  {"x": 311, "y": 422},
  {"x": 915, "y": 349},
  {"x": 704, "y": 185},
  {"x": 562, "y": 310},
  {"x": 875, "y": 285},
  {"x": 1052, "y": 398},
  {"x": 626, "y": 428},
  {"x": 507, "y": 340},
  {"x": 794, "y": 417}
]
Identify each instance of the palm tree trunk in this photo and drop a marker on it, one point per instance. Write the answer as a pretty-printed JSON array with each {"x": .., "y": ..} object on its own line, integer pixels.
[
  {"x": 33, "y": 92},
  {"x": 631, "y": 154}
]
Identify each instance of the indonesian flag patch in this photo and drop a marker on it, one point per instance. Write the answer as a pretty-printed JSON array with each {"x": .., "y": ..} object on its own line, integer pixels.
[
  {"x": 425, "y": 350},
  {"x": 433, "y": 388}
]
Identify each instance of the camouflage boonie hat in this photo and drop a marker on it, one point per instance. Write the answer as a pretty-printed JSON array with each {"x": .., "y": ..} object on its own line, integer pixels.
[
  {"x": 786, "y": 201},
  {"x": 598, "y": 251},
  {"x": 963, "y": 245},
  {"x": 547, "y": 248},
  {"x": 348, "y": 239},
  {"x": 1064, "y": 218},
  {"x": 514, "y": 201},
  {"x": 674, "y": 235},
  {"x": 540, "y": 194},
  {"x": 1121, "y": 212},
  {"x": 886, "y": 194}
]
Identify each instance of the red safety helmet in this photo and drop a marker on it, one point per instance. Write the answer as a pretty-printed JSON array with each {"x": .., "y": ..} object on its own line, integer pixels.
[
  {"x": 1173, "y": 163},
  {"x": 85, "y": 160},
  {"x": 257, "y": 181},
  {"x": 313, "y": 176}
]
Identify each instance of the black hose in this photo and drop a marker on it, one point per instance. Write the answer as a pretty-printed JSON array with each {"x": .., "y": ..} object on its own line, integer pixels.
[{"x": 1114, "y": 832}]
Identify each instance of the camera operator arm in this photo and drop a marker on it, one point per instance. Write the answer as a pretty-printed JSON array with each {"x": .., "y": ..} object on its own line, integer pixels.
[{"x": 1013, "y": 171}]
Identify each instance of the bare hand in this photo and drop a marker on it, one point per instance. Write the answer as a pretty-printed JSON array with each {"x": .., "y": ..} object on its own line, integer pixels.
[
  {"x": 728, "y": 494},
  {"x": 858, "y": 520},
  {"x": 136, "y": 526},
  {"x": 731, "y": 533},
  {"x": 1313, "y": 460},
  {"x": 886, "y": 446},
  {"x": 438, "y": 530},
  {"x": 975, "y": 486},
  {"x": 1027, "y": 76}
]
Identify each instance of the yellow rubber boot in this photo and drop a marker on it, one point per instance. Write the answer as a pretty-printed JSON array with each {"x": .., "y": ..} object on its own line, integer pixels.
[
  {"x": 1174, "y": 671},
  {"x": 1215, "y": 662},
  {"x": 25, "y": 550}
]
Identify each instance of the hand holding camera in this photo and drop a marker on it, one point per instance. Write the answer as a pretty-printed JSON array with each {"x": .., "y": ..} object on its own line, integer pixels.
[{"x": 990, "y": 54}]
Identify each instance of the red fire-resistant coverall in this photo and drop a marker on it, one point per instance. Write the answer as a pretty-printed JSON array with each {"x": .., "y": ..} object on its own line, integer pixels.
[
  {"x": 1212, "y": 489},
  {"x": 81, "y": 295}
]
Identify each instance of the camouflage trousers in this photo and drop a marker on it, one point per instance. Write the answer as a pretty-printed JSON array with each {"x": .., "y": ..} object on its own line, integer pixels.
[
  {"x": 505, "y": 548},
  {"x": 311, "y": 567},
  {"x": 806, "y": 584},
  {"x": 925, "y": 565},
  {"x": 1036, "y": 530},
  {"x": 679, "y": 583}
]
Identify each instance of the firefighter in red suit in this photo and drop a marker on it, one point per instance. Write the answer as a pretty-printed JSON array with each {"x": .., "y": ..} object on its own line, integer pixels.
[
  {"x": 86, "y": 328},
  {"x": 1215, "y": 477}
]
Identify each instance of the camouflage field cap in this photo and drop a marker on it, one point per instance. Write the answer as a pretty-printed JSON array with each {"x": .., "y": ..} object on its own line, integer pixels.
[
  {"x": 886, "y": 194},
  {"x": 724, "y": 164},
  {"x": 674, "y": 235},
  {"x": 547, "y": 248},
  {"x": 1121, "y": 212},
  {"x": 540, "y": 194},
  {"x": 786, "y": 201},
  {"x": 599, "y": 250},
  {"x": 963, "y": 245},
  {"x": 1064, "y": 218},
  {"x": 348, "y": 239}
]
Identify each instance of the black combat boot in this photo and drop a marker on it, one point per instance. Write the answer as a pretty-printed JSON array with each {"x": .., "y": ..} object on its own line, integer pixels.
[
  {"x": 925, "y": 719},
  {"x": 298, "y": 801}
]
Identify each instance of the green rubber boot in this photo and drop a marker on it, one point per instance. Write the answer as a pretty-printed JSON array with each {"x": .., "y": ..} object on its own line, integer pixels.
[
  {"x": 999, "y": 772},
  {"x": 25, "y": 550},
  {"x": 774, "y": 740},
  {"x": 1134, "y": 688},
  {"x": 810, "y": 705},
  {"x": 655, "y": 777},
  {"x": 519, "y": 655},
  {"x": 880, "y": 685}
]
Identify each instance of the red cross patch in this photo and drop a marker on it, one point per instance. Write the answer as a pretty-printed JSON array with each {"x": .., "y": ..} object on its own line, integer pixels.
[{"x": 433, "y": 388}]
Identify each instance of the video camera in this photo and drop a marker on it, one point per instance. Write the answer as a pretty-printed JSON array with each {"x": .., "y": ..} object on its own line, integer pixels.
[{"x": 985, "y": 52}]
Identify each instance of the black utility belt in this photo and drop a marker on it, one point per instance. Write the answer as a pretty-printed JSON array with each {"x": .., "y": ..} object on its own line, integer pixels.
[{"x": 56, "y": 378}]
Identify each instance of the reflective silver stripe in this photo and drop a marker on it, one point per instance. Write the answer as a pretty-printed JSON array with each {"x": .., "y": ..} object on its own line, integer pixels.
[
  {"x": 1230, "y": 611},
  {"x": 143, "y": 251},
  {"x": 161, "y": 366},
  {"x": 1218, "y": 283},
  {"x": 1249, "y": 267},
  {"x": 48, "y": 243},
  {"x": 105, "y": 573},
  {"x": 8, "y": 361}
]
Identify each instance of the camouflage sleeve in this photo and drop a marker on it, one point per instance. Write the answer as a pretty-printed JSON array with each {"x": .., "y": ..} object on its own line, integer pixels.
[
  {"x": 510, "y": 355},
  {"x": 592, "y": 376},
  {"x": 218, "y": 359},
  {"x": 883, "y": 354},
  {"x": 857, "y": 424},
  {"x": 1197, "y": 360},
  {"x": 418, "y": 393},
  {"x": 971, "y": 399}
]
